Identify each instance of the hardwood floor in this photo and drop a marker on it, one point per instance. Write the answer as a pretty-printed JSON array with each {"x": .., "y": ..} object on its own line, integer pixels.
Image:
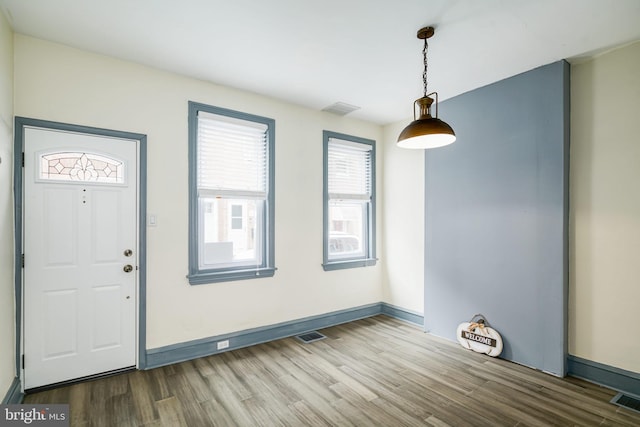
[{"x": 373, "y": 372}]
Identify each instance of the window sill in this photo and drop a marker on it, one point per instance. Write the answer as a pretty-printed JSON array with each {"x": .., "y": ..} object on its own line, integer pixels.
[
  {"x": 205, "y": 277},
  {"x": 352, "y": 263}
]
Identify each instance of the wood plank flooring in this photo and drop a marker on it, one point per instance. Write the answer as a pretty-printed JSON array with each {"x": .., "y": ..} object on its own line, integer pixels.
[{"x": 373, "y": 372}]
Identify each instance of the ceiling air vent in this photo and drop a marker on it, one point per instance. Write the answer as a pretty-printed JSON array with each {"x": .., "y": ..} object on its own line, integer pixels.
[
  {"x": 340, "y": 108},
  {"x": 626, "y": 401},
  {"x": 310, "y": 337}
]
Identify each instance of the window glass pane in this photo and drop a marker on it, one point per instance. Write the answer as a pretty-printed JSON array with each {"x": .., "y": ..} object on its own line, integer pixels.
[
  {"x": 227, "y": 240},
  {"x": 347, "y": 237},
  {"x": 80, "y": 166}
]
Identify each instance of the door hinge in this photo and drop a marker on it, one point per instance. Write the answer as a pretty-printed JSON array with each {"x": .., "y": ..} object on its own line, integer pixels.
[
  {"x": 23, "y": 159},
  {"x": 22, "y": 260},
  {"x": 23, "y": 361}
]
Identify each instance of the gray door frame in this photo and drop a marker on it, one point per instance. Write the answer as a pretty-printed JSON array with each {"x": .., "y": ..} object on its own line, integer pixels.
[{"x": 18, "y": 189}]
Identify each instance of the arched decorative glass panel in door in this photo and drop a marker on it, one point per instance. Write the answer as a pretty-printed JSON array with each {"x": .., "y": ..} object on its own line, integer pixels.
[{"x": 81, "y": 167}]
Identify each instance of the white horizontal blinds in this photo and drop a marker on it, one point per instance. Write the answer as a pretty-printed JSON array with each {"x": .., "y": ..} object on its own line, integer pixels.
[
  {"x": 232, "y": 157},
  {"x": 349, "y": 170}
]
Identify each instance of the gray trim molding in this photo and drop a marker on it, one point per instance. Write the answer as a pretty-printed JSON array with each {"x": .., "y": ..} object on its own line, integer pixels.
[
  {"x": 403, "y": 314},
  {"x": 175, "y": 353},
  {"x": 142, "y": 252},
  {"x": 20, "y": 124},
  {"x": 370, "y": 257},
  {"x": 14, "y": 395},
  {"x": 605, "y": 375},
  {"x": 199, "y": 276}
]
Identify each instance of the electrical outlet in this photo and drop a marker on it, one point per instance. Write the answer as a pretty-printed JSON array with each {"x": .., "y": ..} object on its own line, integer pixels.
[{"x": 223, "y": 344}]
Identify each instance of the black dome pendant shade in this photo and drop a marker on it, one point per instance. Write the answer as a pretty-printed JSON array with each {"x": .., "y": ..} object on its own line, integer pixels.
[{"x": 426, "y": 131}]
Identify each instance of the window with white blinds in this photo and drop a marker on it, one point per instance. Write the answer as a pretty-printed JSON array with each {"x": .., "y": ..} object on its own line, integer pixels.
[
  {"x": 232, "y": 156},
  {"x": 231, "y": 194},
  {"x": 349, "y": 201},
  {"x": 349, "y": 170}
]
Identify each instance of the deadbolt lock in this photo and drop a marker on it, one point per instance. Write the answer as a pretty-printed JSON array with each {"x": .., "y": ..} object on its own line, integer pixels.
[
  {"x": 128, "y": 268},
  {"x": 128, "y": 252}
]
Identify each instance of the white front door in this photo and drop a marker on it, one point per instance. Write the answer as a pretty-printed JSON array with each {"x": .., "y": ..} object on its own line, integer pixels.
[{"x": 80, "y": 237}]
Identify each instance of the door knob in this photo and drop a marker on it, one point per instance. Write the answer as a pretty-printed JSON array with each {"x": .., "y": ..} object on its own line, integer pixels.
[
  {"x": 128, "y": 252},
  {"x": 128, "y": 268}
]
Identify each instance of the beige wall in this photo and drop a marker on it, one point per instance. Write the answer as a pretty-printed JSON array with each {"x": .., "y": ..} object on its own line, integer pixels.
[
  {"x": 604, "y": 293},
  {"x": 7, "y": 323},
  {"x": 403, "y": 212},
  {"x": 54, "y": 82}
]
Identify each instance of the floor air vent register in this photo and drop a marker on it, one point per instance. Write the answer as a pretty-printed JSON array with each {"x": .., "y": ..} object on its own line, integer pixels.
[
  {"x": 626, "y": 401},
  {"x": 310, "y": 337}
]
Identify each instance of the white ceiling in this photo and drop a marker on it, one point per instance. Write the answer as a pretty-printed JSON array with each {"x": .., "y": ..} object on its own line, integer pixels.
[{"x": 316, "y": 53}]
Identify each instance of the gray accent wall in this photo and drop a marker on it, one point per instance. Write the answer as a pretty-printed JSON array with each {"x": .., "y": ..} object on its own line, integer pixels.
[{"x": 496, "y": 216}]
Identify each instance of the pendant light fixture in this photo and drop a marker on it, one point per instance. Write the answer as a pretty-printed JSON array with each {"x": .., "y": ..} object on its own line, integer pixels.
[{"x": 426, "y": 131}]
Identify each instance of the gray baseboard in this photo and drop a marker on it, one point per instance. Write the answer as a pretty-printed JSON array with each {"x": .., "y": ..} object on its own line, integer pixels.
[
  {"x": 402, "y": 314},
  {"x": 207, "y": 346},
  {"x": 608, "y": 376},
  {"x": 14, "y": 394},
  {"x": 189, "y": 350}
]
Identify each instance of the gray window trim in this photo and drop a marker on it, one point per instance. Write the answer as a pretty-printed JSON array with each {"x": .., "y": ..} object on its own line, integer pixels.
[
  {"x": 197, "y": 276},
  {"x": 369, "y": 259}
]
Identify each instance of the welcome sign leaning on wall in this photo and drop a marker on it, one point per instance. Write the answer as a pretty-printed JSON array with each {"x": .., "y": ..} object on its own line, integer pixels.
[{"x": 478, "y": 336}]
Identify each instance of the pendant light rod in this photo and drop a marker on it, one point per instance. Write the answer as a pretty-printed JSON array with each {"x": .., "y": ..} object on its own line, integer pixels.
[{"x": 424, "y": 34}]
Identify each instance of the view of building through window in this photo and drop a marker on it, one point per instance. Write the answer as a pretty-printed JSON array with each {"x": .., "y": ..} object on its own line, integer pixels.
[
  {"x": 229, "y": 230},
  {"x": 346, "y": 232}
]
